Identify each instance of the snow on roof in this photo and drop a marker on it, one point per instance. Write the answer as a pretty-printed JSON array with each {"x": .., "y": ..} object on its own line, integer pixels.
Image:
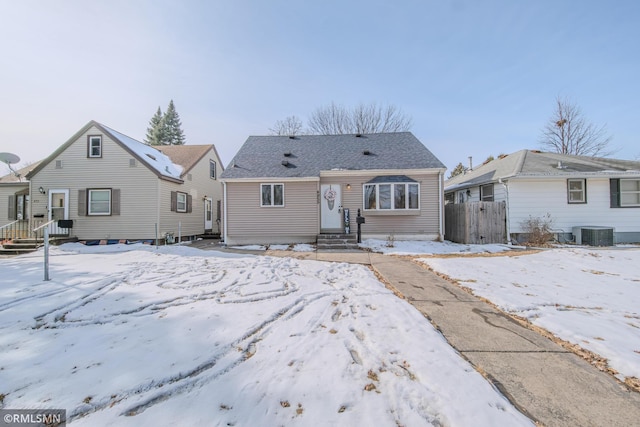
[{"x": 150, "y": 155}]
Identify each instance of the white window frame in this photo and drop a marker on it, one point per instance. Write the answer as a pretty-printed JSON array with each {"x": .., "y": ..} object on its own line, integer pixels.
[
  {"x": 582, "y": 191},
  {"x": 181, "y": 199},
  {"x": 91, "y": 139},
  {"x": 392, "y": 190},
  {"x": 484, "y": 197},
  {"x": 635, "y": 192},
  {"x": 272, "y": 191},
  {"x": 90, "y": 204}
]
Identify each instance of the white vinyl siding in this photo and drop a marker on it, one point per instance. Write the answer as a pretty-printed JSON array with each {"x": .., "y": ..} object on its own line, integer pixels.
[{"x": 537, "y": 198}]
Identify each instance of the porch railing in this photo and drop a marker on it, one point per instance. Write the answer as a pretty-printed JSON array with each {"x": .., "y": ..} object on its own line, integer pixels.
[{"x": 18, "y": 229}]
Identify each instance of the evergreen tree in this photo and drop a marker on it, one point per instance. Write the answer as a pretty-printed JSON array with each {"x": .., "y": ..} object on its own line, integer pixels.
[
  {"x": 172, "y": 126},
  {"x": 459, "y": 169},
  {"x": 165, "y": 129},
  {"x": 155, "y": 129}
]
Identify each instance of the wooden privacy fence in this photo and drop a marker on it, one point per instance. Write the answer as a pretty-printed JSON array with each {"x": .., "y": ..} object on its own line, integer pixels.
[{"x": 475, "y": 222}]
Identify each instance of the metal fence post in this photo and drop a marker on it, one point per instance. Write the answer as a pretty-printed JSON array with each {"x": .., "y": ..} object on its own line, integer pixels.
[{"x": 46, "y": 254}]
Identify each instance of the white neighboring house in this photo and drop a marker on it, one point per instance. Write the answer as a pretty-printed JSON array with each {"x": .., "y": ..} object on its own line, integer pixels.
[
  {"x": 113, "y": 187},
  {"x": 575, "y": 191}
]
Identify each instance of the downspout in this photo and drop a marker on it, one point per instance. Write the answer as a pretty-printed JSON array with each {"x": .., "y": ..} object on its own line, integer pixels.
[
  {"x": 506, "y": 208},
  {"x": 441, "y": 202},
  {"x": 224, "y": 212}
]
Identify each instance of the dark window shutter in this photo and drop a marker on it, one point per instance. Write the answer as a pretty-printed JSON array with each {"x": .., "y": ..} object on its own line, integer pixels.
[
  {"x": 189, "y": 203},
  {"x": 614, "y": 192},
  {"x": 12, "y": 214},
  {"x": 174, "y": 201},
  {"x": 82, "y": 202},
  {"x": 115, "y": 201}
]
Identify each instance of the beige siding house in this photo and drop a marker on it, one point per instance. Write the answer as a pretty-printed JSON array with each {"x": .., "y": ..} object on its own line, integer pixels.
[
  {"x": 113, "y": 187},
  {"x": 282, "y": 189}
]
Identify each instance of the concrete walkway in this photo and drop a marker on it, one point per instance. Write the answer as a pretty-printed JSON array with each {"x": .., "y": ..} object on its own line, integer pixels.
[
  {"x": 546, "y": 382},
  {"x": 549, "y": 384}
]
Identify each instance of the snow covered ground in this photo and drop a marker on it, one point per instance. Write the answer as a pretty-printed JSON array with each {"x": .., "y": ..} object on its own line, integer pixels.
[
  {"x": 404, "y": 247},
  {"x": 139, "y": 336},
  {"x": 587, "y": 296}
]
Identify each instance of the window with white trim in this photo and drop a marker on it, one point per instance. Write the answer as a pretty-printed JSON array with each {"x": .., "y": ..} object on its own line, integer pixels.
[
  {"x": 99, "y": 202},
  {"x": 94, "y": 146},
  {"x": 630, "y": 192},
  {"x": 486, "y": 193},
  {"x": 391, "y": 196},
  {"x": 181, "y": 202},
  {"x": 577, "y": 191},
  {"x": 271, "y": 195}
]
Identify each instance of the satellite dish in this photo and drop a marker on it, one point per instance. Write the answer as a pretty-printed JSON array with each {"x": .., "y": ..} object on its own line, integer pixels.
[{"x": 9, "y": 158}]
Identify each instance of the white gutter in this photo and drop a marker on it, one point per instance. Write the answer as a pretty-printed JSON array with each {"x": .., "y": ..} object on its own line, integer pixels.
[
  {"x": 224, "y": 211},
  {"x": 506, "y": 208},
  {"x": 441, "y": 202}
]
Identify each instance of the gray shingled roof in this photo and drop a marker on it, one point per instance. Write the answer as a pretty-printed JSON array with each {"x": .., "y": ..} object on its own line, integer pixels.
[
  {"x": 527, "y": 163},
  {"x": 263, "y": 156}
]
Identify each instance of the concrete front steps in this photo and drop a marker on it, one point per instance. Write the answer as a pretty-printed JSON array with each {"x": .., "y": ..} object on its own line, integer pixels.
[
  {"x": 20, "y": 246},
  {"x": 336, "y": 241}
]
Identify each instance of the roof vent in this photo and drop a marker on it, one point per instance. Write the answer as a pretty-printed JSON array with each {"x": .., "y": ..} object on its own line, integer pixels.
[
  {"x": 287, "y": 154},
  {"x": 151, "y": 156},
  {"x": 366, "y": 152},
  {"x": 285, "y": 163},
  {"x": 292, "y": 137},
  {"x": 358, "y": 135},
  {"x": 560, "y": 165}
]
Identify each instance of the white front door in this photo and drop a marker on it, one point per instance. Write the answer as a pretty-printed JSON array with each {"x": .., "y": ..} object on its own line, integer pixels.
[
  {"x": 58, "y": 209},
  {"x": 208, "y": 214},
  {"x": 330, "y": 207}
]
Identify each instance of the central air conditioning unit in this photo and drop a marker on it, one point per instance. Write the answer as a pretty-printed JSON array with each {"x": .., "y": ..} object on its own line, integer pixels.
[{"x": 593, "y": 235}]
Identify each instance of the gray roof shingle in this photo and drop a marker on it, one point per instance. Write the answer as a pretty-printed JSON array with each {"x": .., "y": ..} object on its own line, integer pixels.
[
  {"x": 527, "y": 163},
  {"x": 263, "y": 156}
]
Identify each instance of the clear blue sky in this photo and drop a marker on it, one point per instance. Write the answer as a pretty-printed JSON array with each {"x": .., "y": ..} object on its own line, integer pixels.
[{"x": 477, "y": 77}]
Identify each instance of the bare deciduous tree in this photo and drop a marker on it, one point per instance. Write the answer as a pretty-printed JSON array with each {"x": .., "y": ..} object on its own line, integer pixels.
[
  {"x": 568, "y": 132},
  {"x": 289, "y": 126},
  {"x": 364, "y": 118}
]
